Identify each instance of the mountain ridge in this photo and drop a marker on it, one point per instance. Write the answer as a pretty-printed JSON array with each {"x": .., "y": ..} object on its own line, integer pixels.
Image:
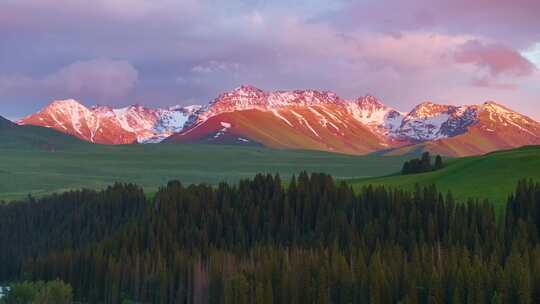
[
  {"x": 106, "y": 125},
  {"x": 360, "y": 126},
  {"x": 6, "y": 123},
  {"x": 300, "y": 119}
]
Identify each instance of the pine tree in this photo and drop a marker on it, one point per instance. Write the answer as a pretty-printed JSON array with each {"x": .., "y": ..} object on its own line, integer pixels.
[
  {"x": 438, "y": 163},
  {"x": 425, "y": 162}
]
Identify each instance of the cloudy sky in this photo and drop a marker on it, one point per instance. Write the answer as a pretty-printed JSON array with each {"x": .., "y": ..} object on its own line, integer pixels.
[{"x": 165, "y": 52}]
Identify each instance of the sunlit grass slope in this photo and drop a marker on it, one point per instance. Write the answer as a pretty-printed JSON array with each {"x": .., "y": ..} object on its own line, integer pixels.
[
  {"x": 47, "y": 161},
  {"x": 492, "y": 176}
]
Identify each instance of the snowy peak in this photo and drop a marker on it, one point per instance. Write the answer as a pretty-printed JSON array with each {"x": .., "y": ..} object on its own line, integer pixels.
[
  {"x": 68, "y": 107},
  {"x": 495, "y": 106},
  {"x": 498, "y": 118},
  {"x": 430, "y": 121},
  {"x": 249, "y": 97},
  {"x": 247, "y": 91},
  {"x": 428, "y": 109},
  {"x": 241, "y": 98},
  {"x": 370, "y": 103},
  {"x": 375, "y": 115},
  {"x": 303, "y": 98},
  {"x": 186, "y": 109},
  {"x": 65, "y": 103},
  {"x": 499, "y": 113},
  {"x": 104, "y": 124}
]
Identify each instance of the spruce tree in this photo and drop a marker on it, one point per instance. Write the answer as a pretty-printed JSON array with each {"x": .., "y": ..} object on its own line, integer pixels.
[{"x": 438, "y": 163}]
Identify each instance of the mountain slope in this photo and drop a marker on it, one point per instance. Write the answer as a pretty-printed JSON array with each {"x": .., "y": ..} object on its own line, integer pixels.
[
  {"x": 6, "y": 123},
  {"x": 324, "y": 121},
  {"x": 430, "y": 121},
  {"x": 285, "y": 129},
  {"x": 295, "y": 120},
  {"x": 33, "y": 137},
  {"x": 493, "y": 127},
  {"x": 301, "y": 119},
  {"x": 492, "y": 176},
  {"x": 105, "y": 125}
]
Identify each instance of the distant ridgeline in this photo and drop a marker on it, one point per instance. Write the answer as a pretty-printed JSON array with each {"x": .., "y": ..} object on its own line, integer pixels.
[
  {"x": 422, "y": 164},
  {"x": 314, "y": 241}
]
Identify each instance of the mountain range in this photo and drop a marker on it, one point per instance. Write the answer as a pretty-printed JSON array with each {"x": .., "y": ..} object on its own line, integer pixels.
[
  {"x": 301, "y": 119},
  {"x": 105, "y": 125}
]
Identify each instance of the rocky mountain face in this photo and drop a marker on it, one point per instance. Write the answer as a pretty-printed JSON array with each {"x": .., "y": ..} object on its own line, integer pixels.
[
  {"x": 105, "y": 125},
  {"x": 300, "y": 119},
  {"x": 429, "y": 121},
  {"x": 324, "y": 121}
]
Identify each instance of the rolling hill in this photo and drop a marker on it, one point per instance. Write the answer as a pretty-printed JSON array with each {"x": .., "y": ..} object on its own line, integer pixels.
[
  {"x": 492, "y": 176},
  {"x": 25, "y": 137},
  {"x": 41, "y": 160},
  {"x": 30, "y": 165}
]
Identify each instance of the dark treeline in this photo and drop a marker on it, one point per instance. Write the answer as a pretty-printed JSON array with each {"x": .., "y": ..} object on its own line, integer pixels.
[
  {"x": 422, "y": 164},
  {"x": 314, "y": 241}
]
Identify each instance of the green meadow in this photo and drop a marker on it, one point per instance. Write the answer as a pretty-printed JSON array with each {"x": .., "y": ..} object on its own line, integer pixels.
[
  {"x": 29, "y": 170},
  {"x": 492, "y": 176},
  {"x": 41, "y": 161}
]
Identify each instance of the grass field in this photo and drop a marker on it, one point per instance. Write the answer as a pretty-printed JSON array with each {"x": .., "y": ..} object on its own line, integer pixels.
[
  {"x": 39, "y": 161},
  {"x": 28, "y": 169},
  {"x": 493, "y": 176}
]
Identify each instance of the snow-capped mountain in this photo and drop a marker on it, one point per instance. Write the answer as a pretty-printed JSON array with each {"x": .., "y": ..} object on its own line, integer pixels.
[
  {"x": 478, "y": 129},
  {"x": 374, "y": 114},
  {"x": 252, "y": 98},
  {"x": 429, "y": 121},
  {"x": 300, "y": 119},
  {"x": 105, "y": 125},
  {"x": 322, "y": 120}
]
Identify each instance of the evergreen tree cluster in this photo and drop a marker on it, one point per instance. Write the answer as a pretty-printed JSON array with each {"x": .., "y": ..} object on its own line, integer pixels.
[
  {"x": 313, "y": 241},
  {"x": 422, "y": 164}
]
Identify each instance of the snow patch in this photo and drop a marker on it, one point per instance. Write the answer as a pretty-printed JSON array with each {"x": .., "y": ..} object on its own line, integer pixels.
[
  {"x": 305, "y": 122},
  {"x": 276, "y": 113},
  {"x": 225, "y": 126}
]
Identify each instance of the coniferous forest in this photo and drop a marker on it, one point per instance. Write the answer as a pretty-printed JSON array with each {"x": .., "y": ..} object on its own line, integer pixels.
[
  {"x": 312, "y": 240},
  {"x": 422, "y": 164}
]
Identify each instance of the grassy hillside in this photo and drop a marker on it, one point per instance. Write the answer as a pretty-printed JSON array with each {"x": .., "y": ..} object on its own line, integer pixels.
[
  {"x": 493, "y": 176},
  {"x": 43, "y": 164},
  {"x": 32, "y": 137},
  {"x": 39, "y": 161}
]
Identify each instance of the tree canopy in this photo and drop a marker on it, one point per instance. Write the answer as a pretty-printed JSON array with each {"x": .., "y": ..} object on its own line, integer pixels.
[
  {"x": 422, "y": 164},
  {"x": 312, "y": 240}
]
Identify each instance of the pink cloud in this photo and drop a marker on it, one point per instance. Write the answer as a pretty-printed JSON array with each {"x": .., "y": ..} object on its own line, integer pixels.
[
  {"x": 515, "y": 22},
  {"x": 101, "y": 79},
  {"x": 490, "y": 82},
  {"x": 497, "y": 58}
]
